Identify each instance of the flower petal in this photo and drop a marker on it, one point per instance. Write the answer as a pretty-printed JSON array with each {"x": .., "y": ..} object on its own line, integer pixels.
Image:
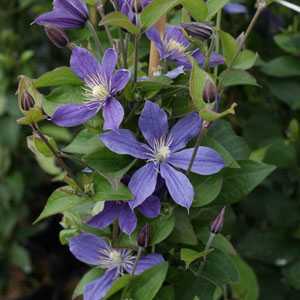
[
  {"x": 70, "y": 115},
  {"x": 106, "y": 217},
  {"x": 153, "y": 35},
  {"x": 150, "y": 208},
  {"x": 109, "y": 62},
  {"x": 153, "y": 122},
  {"x": 216, "y": 59},
  {"x": 175, "y": 72},
  {"x": 97, "y": 289},
  {"x": 122, "y": 141},
  {"x": 85, "y": 247},
  {"x": 119, "y": 80},
  {"x": 235, "y": 8},
  {"x": 84, "y": 64},
  {"x": 113, "y": 114},
  {"x": 184, "y": 130},
  {"x": 142, "y": 184},
  {"x": 75, "y": 7},
  {"x": 179, "y": 186},
  {"x": 146, "y": 262},
  {"x": 207, "y": 160},
  {"x": 127, "y": 220}
]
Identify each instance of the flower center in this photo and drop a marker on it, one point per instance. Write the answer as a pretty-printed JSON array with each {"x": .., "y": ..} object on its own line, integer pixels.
[
  {"x": 173, "y": 45},
  {"x": 162, "y": 153},
  {"x": 115, "y": 257},
  {"x": 100, "y": 92},
  {"x": 160, "y": 150}
]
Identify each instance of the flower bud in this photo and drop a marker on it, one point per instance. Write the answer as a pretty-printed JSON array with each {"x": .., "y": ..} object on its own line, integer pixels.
[
  {"x": 144, "y": 236},
  {"x": 137, "y": 6},
  {"x": 210, "y": 91},
  {"x": 218, "y": 222},
  {"x": 202, "y": 31},
  {"x": 57, "y": 36},
  {"x": 27, "y": 102}
]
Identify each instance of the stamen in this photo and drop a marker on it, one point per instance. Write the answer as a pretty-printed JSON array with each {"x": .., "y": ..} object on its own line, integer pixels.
[
  {"x": 173, "y": 45},
  {"x": 161, "y": 150}
]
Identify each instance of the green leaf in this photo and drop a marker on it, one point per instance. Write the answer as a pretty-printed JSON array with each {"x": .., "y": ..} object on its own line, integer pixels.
[
  {"x": 190, "y": 255},
  {"x": 229, "y": 45},
  {"x": 85, "y": 142},
  {"x": 19, "y": 257},
  {"x": 220, "y": 268},
  {"x": 56, "y": 77},
  {"x": 161, "y": 228},
  {"x": 247, "y": 288},
  {"x": 118, "y": 285},
  {"x": 236, "y": 77},
  {"x": 245, "y": 60},
  {"x": 155, "y": 10},
  {"x": 289, "y": 42},
  {"x": 197, "y": 84},
  {"x": 292, "y": 275},
  {"x": 214, "y": 6},
  {"x": 284, "y": 66},
  {"x": 147, "y": 285},
  {"x": 91, "y": 275},
  {"x": 120, "y": 20},
  {"x": 197, "y": 9},
  {"x": 166, "y": 293},
  {"x": 240, "y": 182}
]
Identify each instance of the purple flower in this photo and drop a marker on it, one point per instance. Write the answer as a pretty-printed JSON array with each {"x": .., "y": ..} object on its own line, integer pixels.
[
  {"x": 174, "y": 46},
  {"x": 163, "y": 154},
  {"x": 93, "y": 250},
  {"x": 66, "y": 14},
  {"x": 131, "y": 8},
  {"x": 235, "y": 8},
  {"x": 125, "y": 214},
  {"x": 101, "y": 85}
]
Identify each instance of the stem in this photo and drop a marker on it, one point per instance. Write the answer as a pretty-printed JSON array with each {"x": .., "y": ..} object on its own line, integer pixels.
[
  {"x": 209, "y": 53},
  {"x": 217, "y": 39},
  {"x": 58, "y": 157},
  {"x": 136, "y": 58},
  {"x": 138, "y": 257},
  {"x": 100, "y": 10},
  {"x": 123, "y": 49},
  {"x": 98, "y": 46},
  {"x": 225, "y": 292}
]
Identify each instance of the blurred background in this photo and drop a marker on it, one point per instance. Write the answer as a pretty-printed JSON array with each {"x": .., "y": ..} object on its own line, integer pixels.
[{"x": 265, "y": 227}]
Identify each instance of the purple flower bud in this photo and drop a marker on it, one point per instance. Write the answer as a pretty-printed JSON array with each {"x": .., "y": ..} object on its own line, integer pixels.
[
  {"x": 218, "y": 222},
  {"x": 27, "y": 102},
  {"x": 210, "y": 92},
  {"x": 57, "y": 36},
  {"x": 144, "y": 236},
  {"x": 202, "y": 31}
]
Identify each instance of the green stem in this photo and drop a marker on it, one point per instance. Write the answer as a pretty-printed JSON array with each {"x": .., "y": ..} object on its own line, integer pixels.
[
  {"x": 99, "y": 49},
  {"x": 138, "y": 257},
  {"x": 136, "y": 58},
  {"x": 217, "y": 39},
  {"x": 123, "y": 49}
]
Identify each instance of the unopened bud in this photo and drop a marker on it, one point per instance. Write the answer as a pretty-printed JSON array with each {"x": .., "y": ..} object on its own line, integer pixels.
[
  {"x": 210, "y": 91},
  {"x": 57, "y": 36},
  {"x": 144, "y": 236},
  {"x": 218, "y": 222},
  {"x": 137, "y": 6},
  {"x": 27, "y": 102},
  {"x": 202, "y": 31}
]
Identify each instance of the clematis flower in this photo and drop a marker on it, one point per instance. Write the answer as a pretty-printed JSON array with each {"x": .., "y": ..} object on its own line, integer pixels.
[
  {"x": 101, "y": 86},
  {"x": 235, "y": 8},
  {"x": 164, "y": 154},
  {"x": 122, "y": 211},
  {"x": 174, "y": 46},
  {"x": 93, "y": 250},
  {"x": 66, "y": 14},
  {"x": 131, "y": 8}
]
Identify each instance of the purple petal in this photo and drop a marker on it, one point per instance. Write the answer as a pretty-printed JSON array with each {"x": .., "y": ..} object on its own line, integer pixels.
[
  {"x": 216, "y": 59},
  {"x": 150, "y": 208},
  {"x": 235, "y": 8},
  {"x": 127, "y": 220},
  {"x": 122, "y": 141},
  {"x": 142, "y": 183},
  {"x": 107, "y": 216},
  {"x": 113, "y": 114},
  {"x": 179, "y": 186},
  {"x": 184, "y": 130},
  {"x": 146, "y": 262},
  {"x": 119, "y": 80},
  {"x": 71, "y": 115},
  {"x": 85, "y": 247},
  {"x": 109, "y": 62},
  {"x": 175, "y": 72},
  {"x": 153, "y": 35},
  {"x": 153, "y": 122},
  {"x": 207, "y": 160},
  {"x": 176, "y": 33},
  {"x": 84, "y": 64},
  {"x": 97, "y": 289},
  {"x": 74, "y": 7}
]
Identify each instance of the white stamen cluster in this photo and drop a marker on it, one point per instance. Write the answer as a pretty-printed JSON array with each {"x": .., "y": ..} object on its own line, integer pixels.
[
  {"x": 96, "y": 88},
  {"x": 173, "y": 45},
  {"x": 111, "y": 258},
  {"x": 160, "y": 150}
]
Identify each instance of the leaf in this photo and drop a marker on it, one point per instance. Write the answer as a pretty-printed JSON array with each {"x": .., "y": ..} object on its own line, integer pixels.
[
  {"x": 147, "y": 285},
  {"x": 197, "y": 9},
  {"x": 90, "y": 276},
  {"x": 56, "y": 77},
  {"x": 240, "y": 182},
  {"x": 229, "y": 46},
  {"x": 247, "y": 288},
  {"x": 236, "y": 77},
  {"x": 292, "y": 275},
  {"x": 214, "y": 6},
  {"x": 210, "y": 115},
  {"x": 197, "y": 84},
  {"x": 245, "y": 60},
  {"x": 155, "y": 10},
  {"x": 289, "y": 42},
  {"x": 118, "y": 285},
  {"x": 166, "y": 293},
  {"x": 19, "y": 257},
  {"x": 120, "y": 20},
  {"x": 190, "y": 255}
]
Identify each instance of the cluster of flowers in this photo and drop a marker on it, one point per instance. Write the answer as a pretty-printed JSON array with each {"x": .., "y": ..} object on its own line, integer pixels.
[{"x": 164, "y": 152}]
